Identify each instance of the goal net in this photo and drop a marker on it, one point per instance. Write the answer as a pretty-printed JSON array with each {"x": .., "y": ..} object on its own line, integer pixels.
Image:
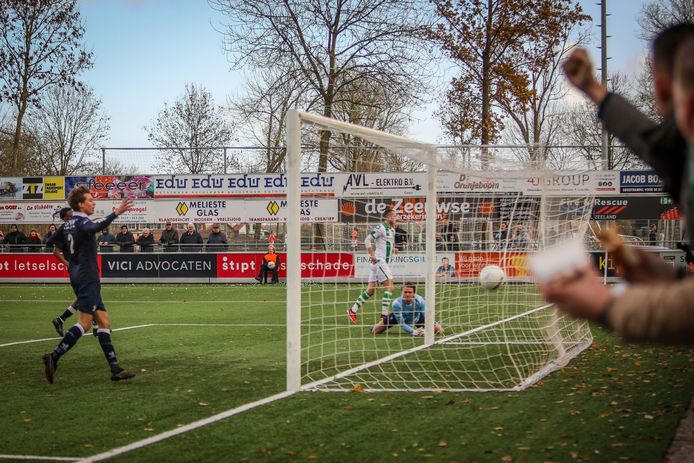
[{"x": 457, "y": 213}]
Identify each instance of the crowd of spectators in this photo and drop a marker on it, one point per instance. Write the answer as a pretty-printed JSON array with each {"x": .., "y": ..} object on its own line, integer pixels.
[{"x": 170, "y": 239}]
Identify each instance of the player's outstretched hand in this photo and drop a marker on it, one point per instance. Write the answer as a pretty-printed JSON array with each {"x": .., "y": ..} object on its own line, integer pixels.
[
  {"x": 418, "y": 332},
  {"x": 579, "y": 293},
  {"x": 124, "y": 206},
  {"x": 649, "y": 268},
  {"x": 579, "y": 71}
]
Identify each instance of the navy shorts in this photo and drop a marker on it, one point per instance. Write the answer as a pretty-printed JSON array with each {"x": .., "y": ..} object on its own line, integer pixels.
[
  {"x": 73, "y": 281},
  {"x": 89, "y": 297},
  {"x": 392, "y": 321}
]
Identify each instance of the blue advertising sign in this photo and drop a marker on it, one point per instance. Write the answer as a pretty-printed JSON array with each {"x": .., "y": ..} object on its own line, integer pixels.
[{"x": 639, "y": 181}]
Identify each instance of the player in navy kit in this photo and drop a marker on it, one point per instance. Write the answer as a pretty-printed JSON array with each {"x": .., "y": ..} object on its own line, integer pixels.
[
  {"x": 62, "y": 253},
  {"x": 79, "y": 239}
]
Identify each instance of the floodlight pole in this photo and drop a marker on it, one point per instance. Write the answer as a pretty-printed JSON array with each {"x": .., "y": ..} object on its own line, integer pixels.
[
  {"x": 603, "y": 72},
  {"x": 103, "y": 161}
]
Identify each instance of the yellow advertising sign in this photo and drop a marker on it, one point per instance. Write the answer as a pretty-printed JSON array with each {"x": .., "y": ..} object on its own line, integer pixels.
[{"x": 54, "y": 188}]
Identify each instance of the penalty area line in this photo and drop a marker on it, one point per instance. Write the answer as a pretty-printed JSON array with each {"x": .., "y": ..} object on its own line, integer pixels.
[
  {"x": 168, "y": 301},
  {"x": 183, "y": 429},
  {"x": 223, "y": 325},
  {"x": 36, "y": 457}
]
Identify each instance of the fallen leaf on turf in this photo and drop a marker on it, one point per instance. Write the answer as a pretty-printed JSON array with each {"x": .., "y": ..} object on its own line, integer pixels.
[
  {"x": 507, "y": 458},
  {"x": 443, "y": 443},
  {"x": 203, "y": 404}
]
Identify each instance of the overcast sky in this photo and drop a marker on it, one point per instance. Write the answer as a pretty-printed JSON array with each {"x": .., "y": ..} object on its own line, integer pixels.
[{"x": 147, "y": 50}]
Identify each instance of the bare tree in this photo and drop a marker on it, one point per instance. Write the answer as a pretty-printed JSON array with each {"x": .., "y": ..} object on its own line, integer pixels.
[
  {"x": 68, "y": 127},
  {"x": 537, "y": 123},
  {"x": 499, "y": 46},
  {"x": 40, "y": 46},
  {"x": 658, "y": 15},
  {"x": 187, "y": 129},
  {"x": 321, "y": 43},
  {"x": 368, "y": 104},
  {"x": 582, "y": 128},
  {"x": 261, "y": 115},
  {"x": 654, "y": 18}
]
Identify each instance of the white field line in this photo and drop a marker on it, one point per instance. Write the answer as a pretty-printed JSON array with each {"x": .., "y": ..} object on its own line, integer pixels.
[
  {"x": 115, "y": 301},
  {"x": 36, "y": 457},
  {"x": 183, "y": 429},
  {"x": 317, "y": 384},
  {"x": 233, "y": 325}
]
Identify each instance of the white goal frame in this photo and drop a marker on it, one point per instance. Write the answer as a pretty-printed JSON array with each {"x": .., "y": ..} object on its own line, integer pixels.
[{"x": 293, "y": 259}]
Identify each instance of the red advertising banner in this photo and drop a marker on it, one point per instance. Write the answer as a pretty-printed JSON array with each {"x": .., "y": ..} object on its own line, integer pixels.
[
  {"x": 312, "y": 265},
  {"x": 469, "y": 264},
  {"x": 31, "y": 266}
]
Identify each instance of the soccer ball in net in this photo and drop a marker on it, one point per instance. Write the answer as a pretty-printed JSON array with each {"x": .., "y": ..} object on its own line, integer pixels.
[
  {"x": 271, "y": 265},
  {"x": 492, "y": 276}
]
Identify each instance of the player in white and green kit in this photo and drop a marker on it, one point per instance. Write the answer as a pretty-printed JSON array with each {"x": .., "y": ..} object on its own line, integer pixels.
[{"x": 380, "y": 244}]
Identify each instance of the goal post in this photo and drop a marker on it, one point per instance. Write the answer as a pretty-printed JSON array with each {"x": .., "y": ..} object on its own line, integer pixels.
[{"x": 454, "y": 215}]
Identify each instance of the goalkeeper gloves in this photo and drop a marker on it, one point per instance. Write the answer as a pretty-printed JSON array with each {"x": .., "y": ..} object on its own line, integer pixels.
[{"x": 418, "y": 332}]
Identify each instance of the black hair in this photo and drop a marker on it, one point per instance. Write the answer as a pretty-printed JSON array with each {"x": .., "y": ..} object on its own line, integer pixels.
[{"x": 666, "y": 43}]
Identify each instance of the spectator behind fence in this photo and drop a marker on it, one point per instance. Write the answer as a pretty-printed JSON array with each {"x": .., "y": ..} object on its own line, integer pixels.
[
  {"x": 354, "y": 239},
  {"x": 169, "y": 238},
  {"x": 2, "y": 239},
  {"x": 34, "y": 242},
  {"x": 191, "y": 241},
  {"x": 271, "y": 238},
  {"x": 653, "y": 235},
  {"x": 401, "y": 238},
  {"x": 125, "y": 240},
  {"x": 146, "y": 241},
  {"x": 106, "y": 241},
  {"x": 217, "y": 241},
  {"x": 270, "y": 264},
  {"x": 15, "y": 239},
  {"x": 51, "y": 231}
]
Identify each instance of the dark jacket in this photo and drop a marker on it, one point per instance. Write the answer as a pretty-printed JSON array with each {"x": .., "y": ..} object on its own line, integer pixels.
[
  {"x": 106, "y": 242},
  {"x": 34, "y": 244},
  {"x": 125, "y": 241},
  {"x": 189, "y": 242},
  {"x": 169, "y": 239},
  {"x": 217, "y": 242},
  {"x": 146, "y": 243},
  {"x": 659, "y": 145},
  {"x": 15, "y": 240}
]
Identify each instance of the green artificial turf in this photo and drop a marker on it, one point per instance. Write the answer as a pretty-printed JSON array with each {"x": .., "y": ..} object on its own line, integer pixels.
[{"x": 615, "y": 402}]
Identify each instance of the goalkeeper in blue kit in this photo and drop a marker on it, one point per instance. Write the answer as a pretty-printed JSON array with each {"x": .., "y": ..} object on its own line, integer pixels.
[{"x": 408, "y": 313}]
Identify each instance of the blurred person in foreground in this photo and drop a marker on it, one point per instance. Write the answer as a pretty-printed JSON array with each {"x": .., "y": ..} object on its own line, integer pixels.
[
  {"x": 660, "y": 145},
  {"x": 658, "y": 306}
]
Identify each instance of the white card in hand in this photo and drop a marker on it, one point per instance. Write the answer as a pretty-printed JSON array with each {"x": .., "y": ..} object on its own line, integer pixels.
[{"x": 558, "y": 260}]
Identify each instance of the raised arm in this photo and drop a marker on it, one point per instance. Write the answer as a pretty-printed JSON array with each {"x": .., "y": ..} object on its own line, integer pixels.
[{"x": 94, "y": 227}]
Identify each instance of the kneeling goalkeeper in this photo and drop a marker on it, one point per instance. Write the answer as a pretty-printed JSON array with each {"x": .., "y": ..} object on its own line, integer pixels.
[{"x": 408, "y": 312}]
